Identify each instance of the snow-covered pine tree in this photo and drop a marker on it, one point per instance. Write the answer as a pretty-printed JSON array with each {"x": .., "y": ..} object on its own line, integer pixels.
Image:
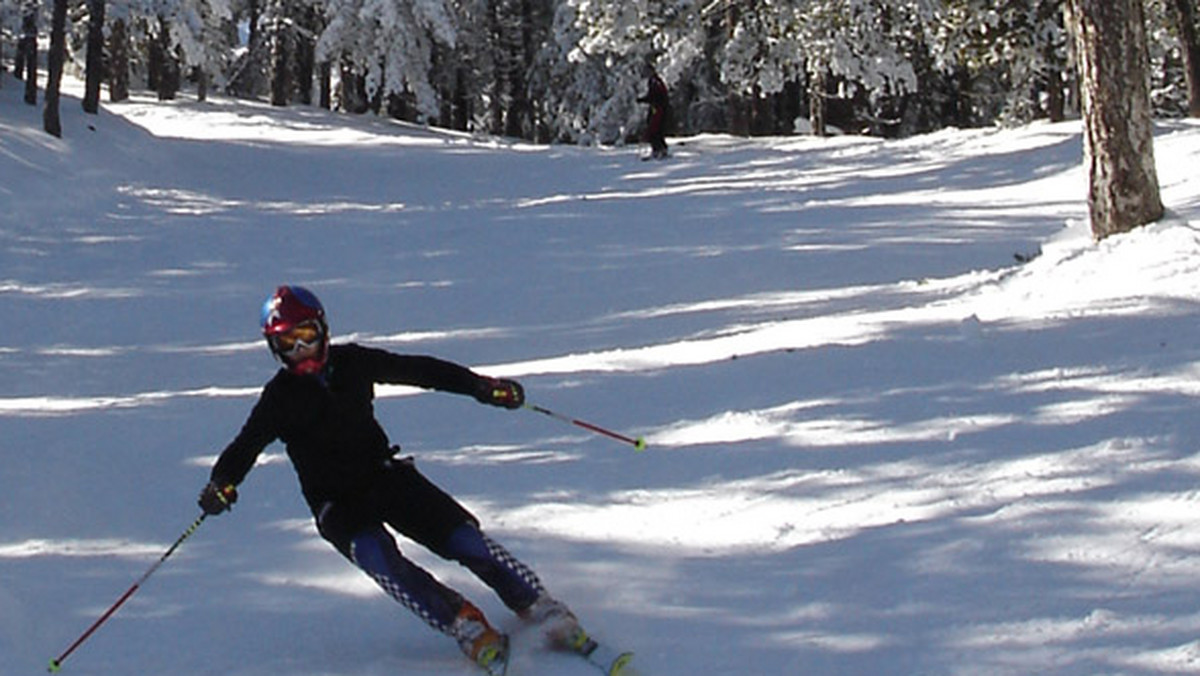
[
  {"x": 595, "y": 58},
  {"x": 571, "y": 70},
  {"x": 1015, "y": 53},
  {"x": 1174, "y": 43},
  {"x": 390, "y": 45},
  {"x": 866, "y": 47},
  {"x": 202, "y": 41}
]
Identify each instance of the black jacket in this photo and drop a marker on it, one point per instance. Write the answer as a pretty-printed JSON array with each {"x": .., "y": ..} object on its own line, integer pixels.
[{"x": 328, "y": 422}]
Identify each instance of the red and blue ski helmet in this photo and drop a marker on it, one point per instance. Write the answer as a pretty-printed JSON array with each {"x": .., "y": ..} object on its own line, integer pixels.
[{"x": 288, "y": 309}]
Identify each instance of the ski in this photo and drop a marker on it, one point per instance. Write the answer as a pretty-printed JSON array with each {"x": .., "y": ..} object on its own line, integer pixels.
[{"x": 607, "y": 659}]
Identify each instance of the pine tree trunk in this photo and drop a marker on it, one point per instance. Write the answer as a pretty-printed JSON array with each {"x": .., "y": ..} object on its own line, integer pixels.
[
  {"x": 1118, "y": 125},
  {"x": 51, "y": 121},
  {"x": 1186, "y": 15},
  {"x": 202, "y": 79},
  {"x": 27, "y": 52},
  {"x": 458, "y": 115},
  {"x": 254, "y": 34},
  {"x": 1055, "y": 96},
  {"x": 326, "y": 85},
  {"x": 495, "y": 123},
  {"x": 169, "y": 68},
  {"x": 95, "y": 57},
  {"x": 816, "y": 101},
  {"x": 281, "y": 64},
  {"x": 118, "y": 62},
  {"x": 1055, "y": 68},
  {"x": 306, "y": 55},
  {"x": 352, "y": 92}
]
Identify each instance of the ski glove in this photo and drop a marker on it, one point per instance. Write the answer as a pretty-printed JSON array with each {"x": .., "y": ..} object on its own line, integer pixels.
[
  {"x": 500, "y": 392},
  {"x": 215, "y": 499}
]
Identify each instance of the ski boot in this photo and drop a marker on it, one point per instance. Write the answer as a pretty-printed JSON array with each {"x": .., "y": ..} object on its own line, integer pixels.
[
  {"x": 479, "y": 641},
  {"x": 563, "y": 632},
  {"x": 559, "y": 625}
]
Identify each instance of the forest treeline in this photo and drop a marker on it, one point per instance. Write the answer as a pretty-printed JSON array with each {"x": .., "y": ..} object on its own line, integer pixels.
[{"x": 571, "y": 70}]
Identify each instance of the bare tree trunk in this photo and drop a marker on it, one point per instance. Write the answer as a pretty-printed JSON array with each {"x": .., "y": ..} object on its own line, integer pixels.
[
  {"x": 57, "y": 57},
  {"x": 95, "y": 57},
  {"x": 1118, "y": 125},
  {"x": 1186, "y": 14}
]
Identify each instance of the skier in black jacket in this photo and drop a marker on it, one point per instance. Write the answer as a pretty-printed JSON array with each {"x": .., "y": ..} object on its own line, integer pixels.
[{"x": 320, "y": 405}]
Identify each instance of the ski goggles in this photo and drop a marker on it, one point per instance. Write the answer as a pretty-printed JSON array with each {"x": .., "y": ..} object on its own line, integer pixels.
[{"x": 302, "y": 336}]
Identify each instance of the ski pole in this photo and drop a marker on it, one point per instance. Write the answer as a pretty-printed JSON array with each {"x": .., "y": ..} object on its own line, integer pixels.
[
  {"x": 56, "y": 664},
  {"x": 639, "y": 443}
]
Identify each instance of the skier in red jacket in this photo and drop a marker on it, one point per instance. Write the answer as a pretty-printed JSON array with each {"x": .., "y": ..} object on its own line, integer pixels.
[
  {"x": 320, "y": 404},
  {"x": 660, "y": 110}
]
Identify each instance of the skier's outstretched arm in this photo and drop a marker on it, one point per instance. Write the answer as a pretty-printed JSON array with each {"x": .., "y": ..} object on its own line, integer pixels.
[{"x": 238, "y": 458}]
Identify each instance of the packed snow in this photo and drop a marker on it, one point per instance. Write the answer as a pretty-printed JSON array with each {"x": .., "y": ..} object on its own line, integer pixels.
[{"x": 904, "y": 415}]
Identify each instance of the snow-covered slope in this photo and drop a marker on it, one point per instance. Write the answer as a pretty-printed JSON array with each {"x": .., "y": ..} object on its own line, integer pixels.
[{"x": 879, "y": 444}]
